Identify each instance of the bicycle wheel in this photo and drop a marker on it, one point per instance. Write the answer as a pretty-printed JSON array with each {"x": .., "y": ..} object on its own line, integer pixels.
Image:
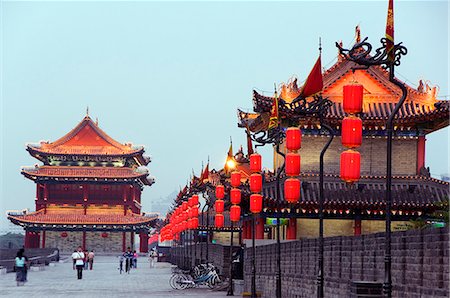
[
  {"x": 172, "y": 281},
  {"x": 180, "y": 282}
]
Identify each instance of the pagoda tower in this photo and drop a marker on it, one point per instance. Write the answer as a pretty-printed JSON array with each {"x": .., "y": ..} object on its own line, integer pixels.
[{"x": 88, "y": 193}]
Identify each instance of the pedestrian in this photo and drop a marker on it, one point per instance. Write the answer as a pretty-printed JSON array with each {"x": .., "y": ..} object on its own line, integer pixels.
[
  {"x": 121, "y": 262},
  {"x": 86, "y": 252},
  {"x": 153, "y": 256},
  {"x": 21, "y": 267},
  {"x": 73, "y": 261},
  {"x": 135, "y": 256},
  {"x": 78, "y": 256},
  {"x": 128, "y": 255},
  {"x": 91, "y": 259}
]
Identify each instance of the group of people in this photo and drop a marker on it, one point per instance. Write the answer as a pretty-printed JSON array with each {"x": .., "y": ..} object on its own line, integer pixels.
[
  {"x": 21, "y": 267},
  {"x": 82, "y": 260},
  {"x": 130, "y": 258}
]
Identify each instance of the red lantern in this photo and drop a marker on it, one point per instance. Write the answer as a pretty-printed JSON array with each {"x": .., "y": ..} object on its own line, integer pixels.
[
  {"x": 235, "y": 213},
  {"x": 195, "y": 223},
  {"x": 184, "y": 225},
  {"x": 184, "y": 206},
  {"x": 292, "y": 190},
  {"x": 235, "y": 196},
  {"x": 293, "y": 138},
  {"x": 235, "y": 179},
  {"x": 350, "y": 166},
  {"x": 352, "y": 132},
  {"x": 292, "y": 164},
  {"x": 190, "y": 202},
  {"x": 255, "y": 203},
  {"x": 353, "y": 98},
  {"x": 194, "y": 212},
  {"x": 194, "y": 200},
  {"x": 255, "y": 182},
  {"x": 219, "y": 206},
  {"x": 219, "y": 220},
  {"x": 220, "y": 192},
  {"x": 255, "y": 162},
  {"x": 64, "y": 234}
]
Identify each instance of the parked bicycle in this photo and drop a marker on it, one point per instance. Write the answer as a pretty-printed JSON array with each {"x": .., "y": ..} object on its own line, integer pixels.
[{"x": 202, "y": 274}]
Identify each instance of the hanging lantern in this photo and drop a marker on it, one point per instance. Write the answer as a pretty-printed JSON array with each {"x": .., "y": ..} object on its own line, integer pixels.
[
  {"x": 185, "y": 215},
  {"x": 255, "y": 182},
  {"x": 292, "y": 164},
  {"x": 293, "y": 138},
  {"x": 183, "y": 225},
  {"x": 353, "y": 98},
  {"x": 292, "y": 190},
  {"x": 235, "y": 196},
  {"x": 350, "y": 166},
  {"x": 190, "y": 202},
  {"x": 184, "y": 206},
  {"x": 194, "y": 200},
  {"x": 64, "y": 234},
  {"x": 189, "y": 223},
  {"x": 235, "y": 213},
  {"x": 235, "y": 179},
  {"x": 194, "y": 212},
  {"x": 351, "y": 132},
  {"x": 220, "y": 192},
  {"x": 194, "y": 223},
  {"x": 255, "y": 203},
  {"x": 219, "y": 220},
  {"x": 255, "y": 162},
  {"x": 219, "y": 206}
]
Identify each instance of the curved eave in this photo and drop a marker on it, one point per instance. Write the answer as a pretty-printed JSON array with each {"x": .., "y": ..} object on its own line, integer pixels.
[{"x": 36, "y": 151}]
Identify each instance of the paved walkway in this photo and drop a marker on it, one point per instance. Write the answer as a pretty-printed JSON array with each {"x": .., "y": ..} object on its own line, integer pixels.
[{"x": 103, "y": 281}]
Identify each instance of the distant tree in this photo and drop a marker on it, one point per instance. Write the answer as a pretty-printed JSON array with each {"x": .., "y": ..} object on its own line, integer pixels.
[{"x": 11, "y": 240}]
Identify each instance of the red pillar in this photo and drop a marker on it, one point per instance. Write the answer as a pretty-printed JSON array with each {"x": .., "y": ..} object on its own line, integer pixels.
[
  {"x": 132, "y": 241},
  {"x": 43, "y": 239},
  {"x": 291, "y": 233},
  {"x": 357, "y": 227},
  {"x": 124, "y": 239},
  {"x": 143, "y": 243},
  {"x": 259, "y": 232},
  {"x": 84, "y": 241},
  {"x": 420, "y": 153},
  {"x": 45, "y": 198}
]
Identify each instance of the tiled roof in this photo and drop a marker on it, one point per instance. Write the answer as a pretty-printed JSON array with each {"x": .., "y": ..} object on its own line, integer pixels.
[
  {"x": 77, "y": 219},
  {"x": 82, "y": 172},
  {"x": 86, "y": 139}
]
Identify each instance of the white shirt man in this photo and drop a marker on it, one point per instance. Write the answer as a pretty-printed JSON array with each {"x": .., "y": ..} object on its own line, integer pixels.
[{"x": 78, "y": 256}]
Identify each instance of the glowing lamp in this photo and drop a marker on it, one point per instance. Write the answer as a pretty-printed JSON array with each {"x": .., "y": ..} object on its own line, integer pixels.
[
  {"x": 353, "y": 98},
  {"x": 219, "y": 206},
  {"x": 235, "y": 196},
  {"x": 350, "y": 166},
  {"x": 194, "y": 200},
  {"x": 255, "y": 162},
  {"x": 219, "y": 220},
  {"x": 351, "y": 132},
  {"x": 235, "y": 213},
  {"x": 231, "y": 164},
  {"x": 220, "y": 192},
  {"x": 256, "y": 203},
  {"x": 292, "y": 164},
  {"x": 255, "y": 182},
  {"x": 293, "y": 138},
  {"x": 292, "y": 190},
  {"x": 235, "y": 179}
]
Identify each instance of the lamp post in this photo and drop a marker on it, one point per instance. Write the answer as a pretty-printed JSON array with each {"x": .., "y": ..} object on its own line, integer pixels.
[{"x": 387, "y": 56}]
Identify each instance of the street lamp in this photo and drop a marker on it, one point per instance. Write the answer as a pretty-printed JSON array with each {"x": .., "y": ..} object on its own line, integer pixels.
[{"x": 387, "y": 56}]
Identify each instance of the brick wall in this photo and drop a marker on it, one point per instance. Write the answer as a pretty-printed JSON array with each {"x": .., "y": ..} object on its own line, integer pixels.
[
  {"x": 373, "y": 155},
  {"x": 420, "y": 264},
  {"x": 94, "y": 240}
]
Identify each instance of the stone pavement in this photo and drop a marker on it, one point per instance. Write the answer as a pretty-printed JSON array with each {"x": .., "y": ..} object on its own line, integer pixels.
[{"x": 61, "y": 281}]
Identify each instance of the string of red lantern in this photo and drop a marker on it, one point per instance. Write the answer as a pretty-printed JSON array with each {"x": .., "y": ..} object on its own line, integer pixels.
[
  {"x": 292, "y": 163},
  {"x": 235, "y": 197},
  {"x": 219, "y": 206},
  {"x": 255, "y": 183},
  {"x": 351, "y": 133}
]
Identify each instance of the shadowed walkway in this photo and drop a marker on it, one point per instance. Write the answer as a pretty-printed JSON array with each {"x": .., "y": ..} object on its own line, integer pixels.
[{"x": 104, "y": 280}]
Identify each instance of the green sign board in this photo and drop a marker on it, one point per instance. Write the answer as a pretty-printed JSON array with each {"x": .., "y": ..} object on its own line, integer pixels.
[{"x": 273, "y": 221}]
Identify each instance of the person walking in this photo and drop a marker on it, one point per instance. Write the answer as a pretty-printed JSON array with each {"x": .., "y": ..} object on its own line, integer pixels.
[
  {"x": 91, "y": 259},
  {"x": 153, "y": 257},
  {"x": 135, "y": 256},
  {"x": 73, "y": 260},
  {"x": 121, "y": 258},
  {"x": 128, "y": 255},
  {"x": 78, "y": 256},
  {"x": 21, "y": 267},
  {"x": 86, "y": 252}
]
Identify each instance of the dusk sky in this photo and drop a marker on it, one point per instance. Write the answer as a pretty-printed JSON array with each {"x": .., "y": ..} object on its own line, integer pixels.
[{"x": 170, "y": 75}]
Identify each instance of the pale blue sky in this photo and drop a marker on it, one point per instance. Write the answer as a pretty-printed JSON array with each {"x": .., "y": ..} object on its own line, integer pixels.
[{"x": 170, "y": 75}]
